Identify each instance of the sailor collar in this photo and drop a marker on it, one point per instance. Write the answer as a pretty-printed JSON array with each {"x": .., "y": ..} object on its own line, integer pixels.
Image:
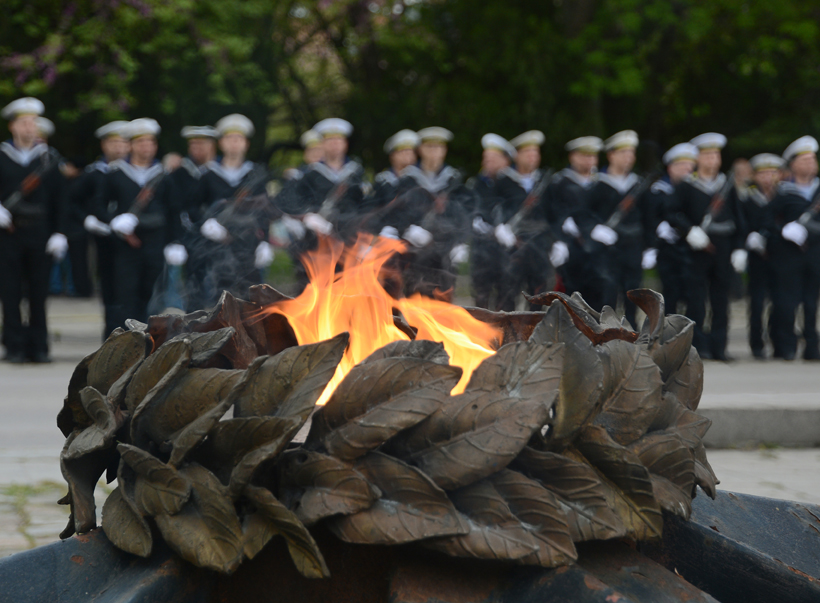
[
  {"x": 233, "y": 176},
  {"x": 101, "y": 165},
  {"x": 519, "y": 178},
  {"x": 434, "y": 184},
  {"x": 348, "y": 169},
  {"x": 20, "y": 157},
  {"x": 757, "y": 196},
  {"x": 196, "y": 171},
  {"x": 577, "y": 178},
  {"x": 790, "y": 188},
  {"x": 710, "y": 187},
  {"x": 622, "y": 185},
  {"x": 139, "y": 175},
  {"x": 662, "y": 187},
  {"x": 387, "y": 177}
]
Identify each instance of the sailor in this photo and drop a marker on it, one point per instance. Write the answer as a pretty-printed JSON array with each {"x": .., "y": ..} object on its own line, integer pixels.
[
  {"x": 566, "y": 210},
  {"x": 401, "y": 152},
  {"x": 327, "y": 199},
  {"x": 82, "y": 195},
  {"x": 794, "y": 249},
  {"x": 709, "y": 221},
  {"x": 31, "y": 224},
  {"x": 237, "y": 220},
  {"x": 666, "y": 248},
  {"x": 489, "y": 259},
  {"x": 138, "y": 200},
  {"x": 311, "y": 142},
  {"x": 754, "y": 203},
  {"x": 619, "y": 230},
  {"x": 430, "y": 215}
]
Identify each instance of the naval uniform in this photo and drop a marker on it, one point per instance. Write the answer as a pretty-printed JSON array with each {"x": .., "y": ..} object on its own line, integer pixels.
[
  {"x": 186, "y": 179},
  {"x": 712, "y": 271},
  {"x": 138, "y": 268},
  {"x": 23, "y": 258},
  {"x": 231, "y": 264},
  {"x": 798, "y": 269}
]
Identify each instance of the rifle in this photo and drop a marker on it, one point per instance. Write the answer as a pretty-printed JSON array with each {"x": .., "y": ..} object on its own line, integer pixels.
[
  {"x": 529, "y": 202},
  {"x": 31, "y": 182},
  {"x": 140, "y": 203},
  {"x": 807, "y": 216},
  {"x": 628, "y": 202},
  {"x": 716, "y": 205}
]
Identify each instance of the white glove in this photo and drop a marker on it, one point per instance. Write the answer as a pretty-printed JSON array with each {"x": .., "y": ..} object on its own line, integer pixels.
[
  {"x": 263, "y": 257},
  {"x": 667, "y": 233},
  {"x": 389, "y": 232},
  {"x": 570, "y": 227},
  {"x": 481, "y": 227},
  {"x": 417, "y": 236},
  {"x": 649, "y": 259},
  {"x": 125, "y": 224},
  {"x": 559, "y": 254},
  {"x": 5, "y": 217},
  {"x": 460, "y": 253},
  {"x": 796, "y": 233},
  {"x": 505, "y": 235},
  {"x": 604, "y": 234},
  {"x": 756, "y": 242},
  {"x": 212, "y": 230},
  {"x": 95, "y": 226},
  {"x": 739, "y": 260},
  {"x": 697, "y": 239},
  {"x": 294, "y": 227},
  {"x": 317, "y": 224},
  {"x": 175, "y": 254},
  {"x": 57, "y": 246}
]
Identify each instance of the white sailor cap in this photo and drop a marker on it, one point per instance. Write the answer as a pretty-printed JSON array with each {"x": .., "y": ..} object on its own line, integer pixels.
[
  {"x": 45, "y": 126},
  {"x": 532, "y": 138},
  {"x": 710, "y": 140},
  {"x": 235, "y": 122},
  {"x": 114, "y": 128},
  {"x": 334, "y": 126},
  {"x": 310, "y": 139},
  {"x": 681, "y": 151},
  {"x": 199, "y": 132},
  {"x": 22, "y": 106},
  {"x": 804, "y": 144},
  {"x": 621, "y": 140},
  {"x": 498, "y": 143},
  {"x": 401, "y": 140},
  {"x": 434, "y": 134},
  {"x": 591, "y": 145},
  {"x": 766, "y": 161},
  {"x": 143, "y": 126}
]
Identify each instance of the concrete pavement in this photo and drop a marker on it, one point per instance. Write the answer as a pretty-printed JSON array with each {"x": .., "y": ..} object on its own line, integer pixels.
[{"x": 749, "y": 402}]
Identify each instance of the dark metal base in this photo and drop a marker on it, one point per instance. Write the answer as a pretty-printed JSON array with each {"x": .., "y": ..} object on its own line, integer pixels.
[{"x": 737, "y": 548}]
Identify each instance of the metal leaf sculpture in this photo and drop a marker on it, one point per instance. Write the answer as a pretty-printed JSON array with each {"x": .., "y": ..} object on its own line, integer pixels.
[{"x": 578, "y": 428}]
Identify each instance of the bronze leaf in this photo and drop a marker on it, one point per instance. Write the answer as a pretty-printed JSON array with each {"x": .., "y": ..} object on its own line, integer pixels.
[
  {"x": 665, "y": 454},
  {"x": 117, "y": 355},
  {"x": 240, "y": 350},
  {"x": 302, "y": 548},
  {"x": 582, "y": 380},
  {"x": 124, "y": 526},
  {"x": 495, "y": 531},
  {"x": 411, "y": 508},
  {"x": 674, "y": 345},
  {"x": 515, "y": 326},
  {"x": 671, "y": 498},
  {"x": 82, "y": 474},
  {"x": 158, "y": 488},
  {"x": 579, "y": 489},
  {"x": 584, "y": 320},
  {"x": 290, "y": 383},
  {"x": 316, "y": 486},
  {"x": 377, "y": 400},
  {"x": 540, "y": 512},
  {"x": 631, "y": 495},
  {"x": 653, "y": 305},
  {"x": 206, "y": 531},
  {"x": 167, "y": 359},
  {"x": 206, "y": 346},
  {"x": 423, "y": 349},
  {"x": 73, "y": 415},
  {"x": 687, "y": 382},
  {"x": 633, "y": 397}
]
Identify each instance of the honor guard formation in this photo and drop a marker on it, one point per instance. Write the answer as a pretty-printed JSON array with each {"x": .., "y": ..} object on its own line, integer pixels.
[{"x": 176, "y": 232}]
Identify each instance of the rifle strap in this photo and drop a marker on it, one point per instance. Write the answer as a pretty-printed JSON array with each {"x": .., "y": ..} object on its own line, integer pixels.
[{"x": 32, "y": 182}]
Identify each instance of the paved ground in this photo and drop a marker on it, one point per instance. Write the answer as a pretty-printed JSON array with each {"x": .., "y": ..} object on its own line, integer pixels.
[{"x": 31, "y": 396}]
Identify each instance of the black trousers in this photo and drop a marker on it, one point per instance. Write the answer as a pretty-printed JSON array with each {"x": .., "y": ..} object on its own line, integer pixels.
[
  {"x": 490, "y": 271},
  {"x": 710, "y": 279},
  {"x": 798, "y": 282},
  {"x": 622, "y": 263},
  {"x": 761, "y": 286},
  {"x": 24, "y": 269},
  {"x": 106, "y": 270},
  {"x": 674, "y": 269},
  {"x": 530, "y": 270},
  {"x": 80, "y": 273},
  {"x": 136, "y": 273}
]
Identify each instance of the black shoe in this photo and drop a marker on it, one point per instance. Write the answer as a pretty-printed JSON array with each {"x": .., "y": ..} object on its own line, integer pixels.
[
  {"x": 41, "y": 358},
  {"x": 722, "y": 357},
  {"x": 705, "y": 355},
  {"x": 759, "y": 354},
  {"x": 15, "y": 358},
  {"x": 788, "y": 356}
]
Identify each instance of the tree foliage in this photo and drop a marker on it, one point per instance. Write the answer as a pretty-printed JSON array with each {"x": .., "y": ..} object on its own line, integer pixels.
[{"x": 568, "y": 67}]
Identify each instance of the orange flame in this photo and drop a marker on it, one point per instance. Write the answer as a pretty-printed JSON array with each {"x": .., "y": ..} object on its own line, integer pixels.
[{"x": 353, "y": 300}]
